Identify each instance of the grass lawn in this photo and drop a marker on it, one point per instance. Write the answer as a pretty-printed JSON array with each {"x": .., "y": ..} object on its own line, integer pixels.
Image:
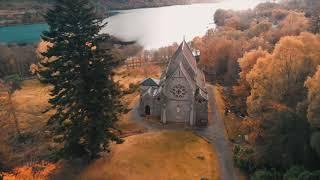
[{"x": 157, "y": 155}]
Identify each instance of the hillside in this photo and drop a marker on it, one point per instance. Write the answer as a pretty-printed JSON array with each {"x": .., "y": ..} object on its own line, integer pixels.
[
  {"x": 31, "y": 11},
  {"x": 129, "y": 4}
]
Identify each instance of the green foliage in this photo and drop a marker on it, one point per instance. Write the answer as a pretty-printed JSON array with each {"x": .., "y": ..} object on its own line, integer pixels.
[
  {"x": 84, "y": 96},
  {"x": 305, "y": 175},
  {"x": 132, "y": 88},
  {"x": 285, "y": 138},
  {"x": 55, "y": 155},
  {"x": 293, "y": 173},
  {"x": 265, "y": 175},
  {"x": 243, "y": 158},
  {"x": 315, "y": 142}
]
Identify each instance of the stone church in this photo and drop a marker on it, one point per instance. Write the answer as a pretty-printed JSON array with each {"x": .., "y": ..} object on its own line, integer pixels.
[{"x": 180, "y": 95}]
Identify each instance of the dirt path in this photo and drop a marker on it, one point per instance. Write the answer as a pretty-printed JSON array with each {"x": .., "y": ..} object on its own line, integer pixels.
[{"x": 214, "y": 132}]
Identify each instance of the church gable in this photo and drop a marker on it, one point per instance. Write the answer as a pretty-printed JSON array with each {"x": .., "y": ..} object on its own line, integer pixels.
[
  {"x": 179, "y": 80},
  {"x": 183, "y": 55}
]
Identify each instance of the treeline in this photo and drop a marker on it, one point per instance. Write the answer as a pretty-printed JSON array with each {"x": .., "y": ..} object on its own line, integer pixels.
[
  {"x": 31, "y": 11},
  {"x": 23, "y": 12},
  {"x": 22, "y": 59},
  {"x": 131, "y": 4},
  {"x": 268, "y": 58},
  {"x": 17, "y": 59}
]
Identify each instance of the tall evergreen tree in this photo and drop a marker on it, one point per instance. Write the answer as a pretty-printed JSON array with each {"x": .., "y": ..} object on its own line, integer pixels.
[{"x": 84, "y": 94}]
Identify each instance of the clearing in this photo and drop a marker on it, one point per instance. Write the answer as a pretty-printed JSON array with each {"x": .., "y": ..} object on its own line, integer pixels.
[
  {"x": 160, "y": 154},
  {"x": 154, "y": 155}
]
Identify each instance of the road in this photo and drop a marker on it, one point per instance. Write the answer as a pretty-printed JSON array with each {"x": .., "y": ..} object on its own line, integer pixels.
[{"x": 214, "y": 132}]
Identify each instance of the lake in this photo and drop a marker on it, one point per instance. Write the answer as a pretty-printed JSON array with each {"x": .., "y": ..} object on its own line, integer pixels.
[
  {"x": 150, "y": 27},
  {"x": 29, "y": 33}
]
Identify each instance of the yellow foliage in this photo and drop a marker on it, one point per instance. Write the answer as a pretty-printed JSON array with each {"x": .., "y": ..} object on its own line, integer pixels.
[
  {"x": 313, "y": 84},
  {"x": 249, "y": 60},
  {"x": 279, "y": 78}
]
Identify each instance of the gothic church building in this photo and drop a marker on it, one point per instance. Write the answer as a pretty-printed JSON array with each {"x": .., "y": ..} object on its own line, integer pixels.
[{"x": 180, "y": 95}]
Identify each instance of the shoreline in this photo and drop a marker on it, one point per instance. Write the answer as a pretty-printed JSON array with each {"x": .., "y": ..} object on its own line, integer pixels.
[
  {"x": 115, "y": 11},
  {"x": 22, "y": 24},
  {"x": 159, "y": 6}
]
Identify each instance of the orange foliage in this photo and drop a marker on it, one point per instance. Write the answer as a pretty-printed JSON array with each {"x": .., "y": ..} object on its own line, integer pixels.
[
  {"x": 292, "y": 25},
  {"x": 279, "y": 78},
  {"x": 252, "y": 127},
  {"x": 220, "y": 53},
  {"x": 39, "y": 171},
  {"x": 248, "y": 60}
]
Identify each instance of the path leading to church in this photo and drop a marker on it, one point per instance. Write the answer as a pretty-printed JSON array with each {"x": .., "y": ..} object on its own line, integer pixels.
[{"x": 214, "y": 132}]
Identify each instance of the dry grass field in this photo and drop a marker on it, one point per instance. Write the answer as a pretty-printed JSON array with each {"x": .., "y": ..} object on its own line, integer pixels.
[
  {"x": 157, "y": 155},
  {"x": 126, "y": 76},
  {"x": 151, "y": 155},
  {"x": 29, "y": 102}
]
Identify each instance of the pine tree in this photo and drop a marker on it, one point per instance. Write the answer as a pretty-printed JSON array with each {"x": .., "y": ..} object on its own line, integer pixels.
[{"x": 84, "y": 94}]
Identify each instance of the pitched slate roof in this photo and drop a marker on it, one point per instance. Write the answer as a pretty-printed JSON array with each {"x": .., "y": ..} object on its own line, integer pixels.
[
  {"x": 184, "y": 59},
  {"x": 150, "y": 82},
  {"x": 152, "y": 92},
  {"x": 184, "y": 55}
]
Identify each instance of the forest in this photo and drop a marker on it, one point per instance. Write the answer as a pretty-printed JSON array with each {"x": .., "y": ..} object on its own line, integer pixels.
[{"x": 268, "y": 61}]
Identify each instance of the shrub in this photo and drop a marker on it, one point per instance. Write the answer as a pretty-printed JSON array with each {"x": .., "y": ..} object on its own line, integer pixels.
[
  {"x": 243, "y": 158},
  {"x": 132, "y": 88},
  {"x": 293, "y": 173},
  {"x": 306, "y": 175},
  {"x": 266, "y": 175}
]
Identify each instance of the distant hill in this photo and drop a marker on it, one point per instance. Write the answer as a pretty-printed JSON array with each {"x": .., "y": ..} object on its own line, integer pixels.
[{"x": 31, "y": 11}]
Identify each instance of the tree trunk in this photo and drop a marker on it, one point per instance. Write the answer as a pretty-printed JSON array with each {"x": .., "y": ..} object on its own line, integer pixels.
[{"x": 13, "y": 112}]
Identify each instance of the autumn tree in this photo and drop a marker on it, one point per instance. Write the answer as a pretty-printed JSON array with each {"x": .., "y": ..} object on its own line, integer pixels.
[
  {"x": 313, "y": 84},
  {"x": 84, "y": 94},
  {"x": 313, "y": 111},
  {"x": 11, "y": 84},
  {"x": 6, "y": 61},
  {"x": 248, "y": 60},
  {"x": 259, "y": 29},
  {"x": 292, "y": 25},
  {"x": 221, "y": 16},
  {"x": 242, "y": 90},
  {"x": 280, "y": 77},
  {"x": 220, "y": 52},
  {"x": 265, "y": 9}
]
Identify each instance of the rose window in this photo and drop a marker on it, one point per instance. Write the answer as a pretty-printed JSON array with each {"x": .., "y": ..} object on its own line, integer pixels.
[{"x": 179, "y": 91}]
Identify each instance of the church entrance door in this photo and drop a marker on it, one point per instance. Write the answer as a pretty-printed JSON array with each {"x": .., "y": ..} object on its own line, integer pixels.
[{"x": 147, "y": 110}]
